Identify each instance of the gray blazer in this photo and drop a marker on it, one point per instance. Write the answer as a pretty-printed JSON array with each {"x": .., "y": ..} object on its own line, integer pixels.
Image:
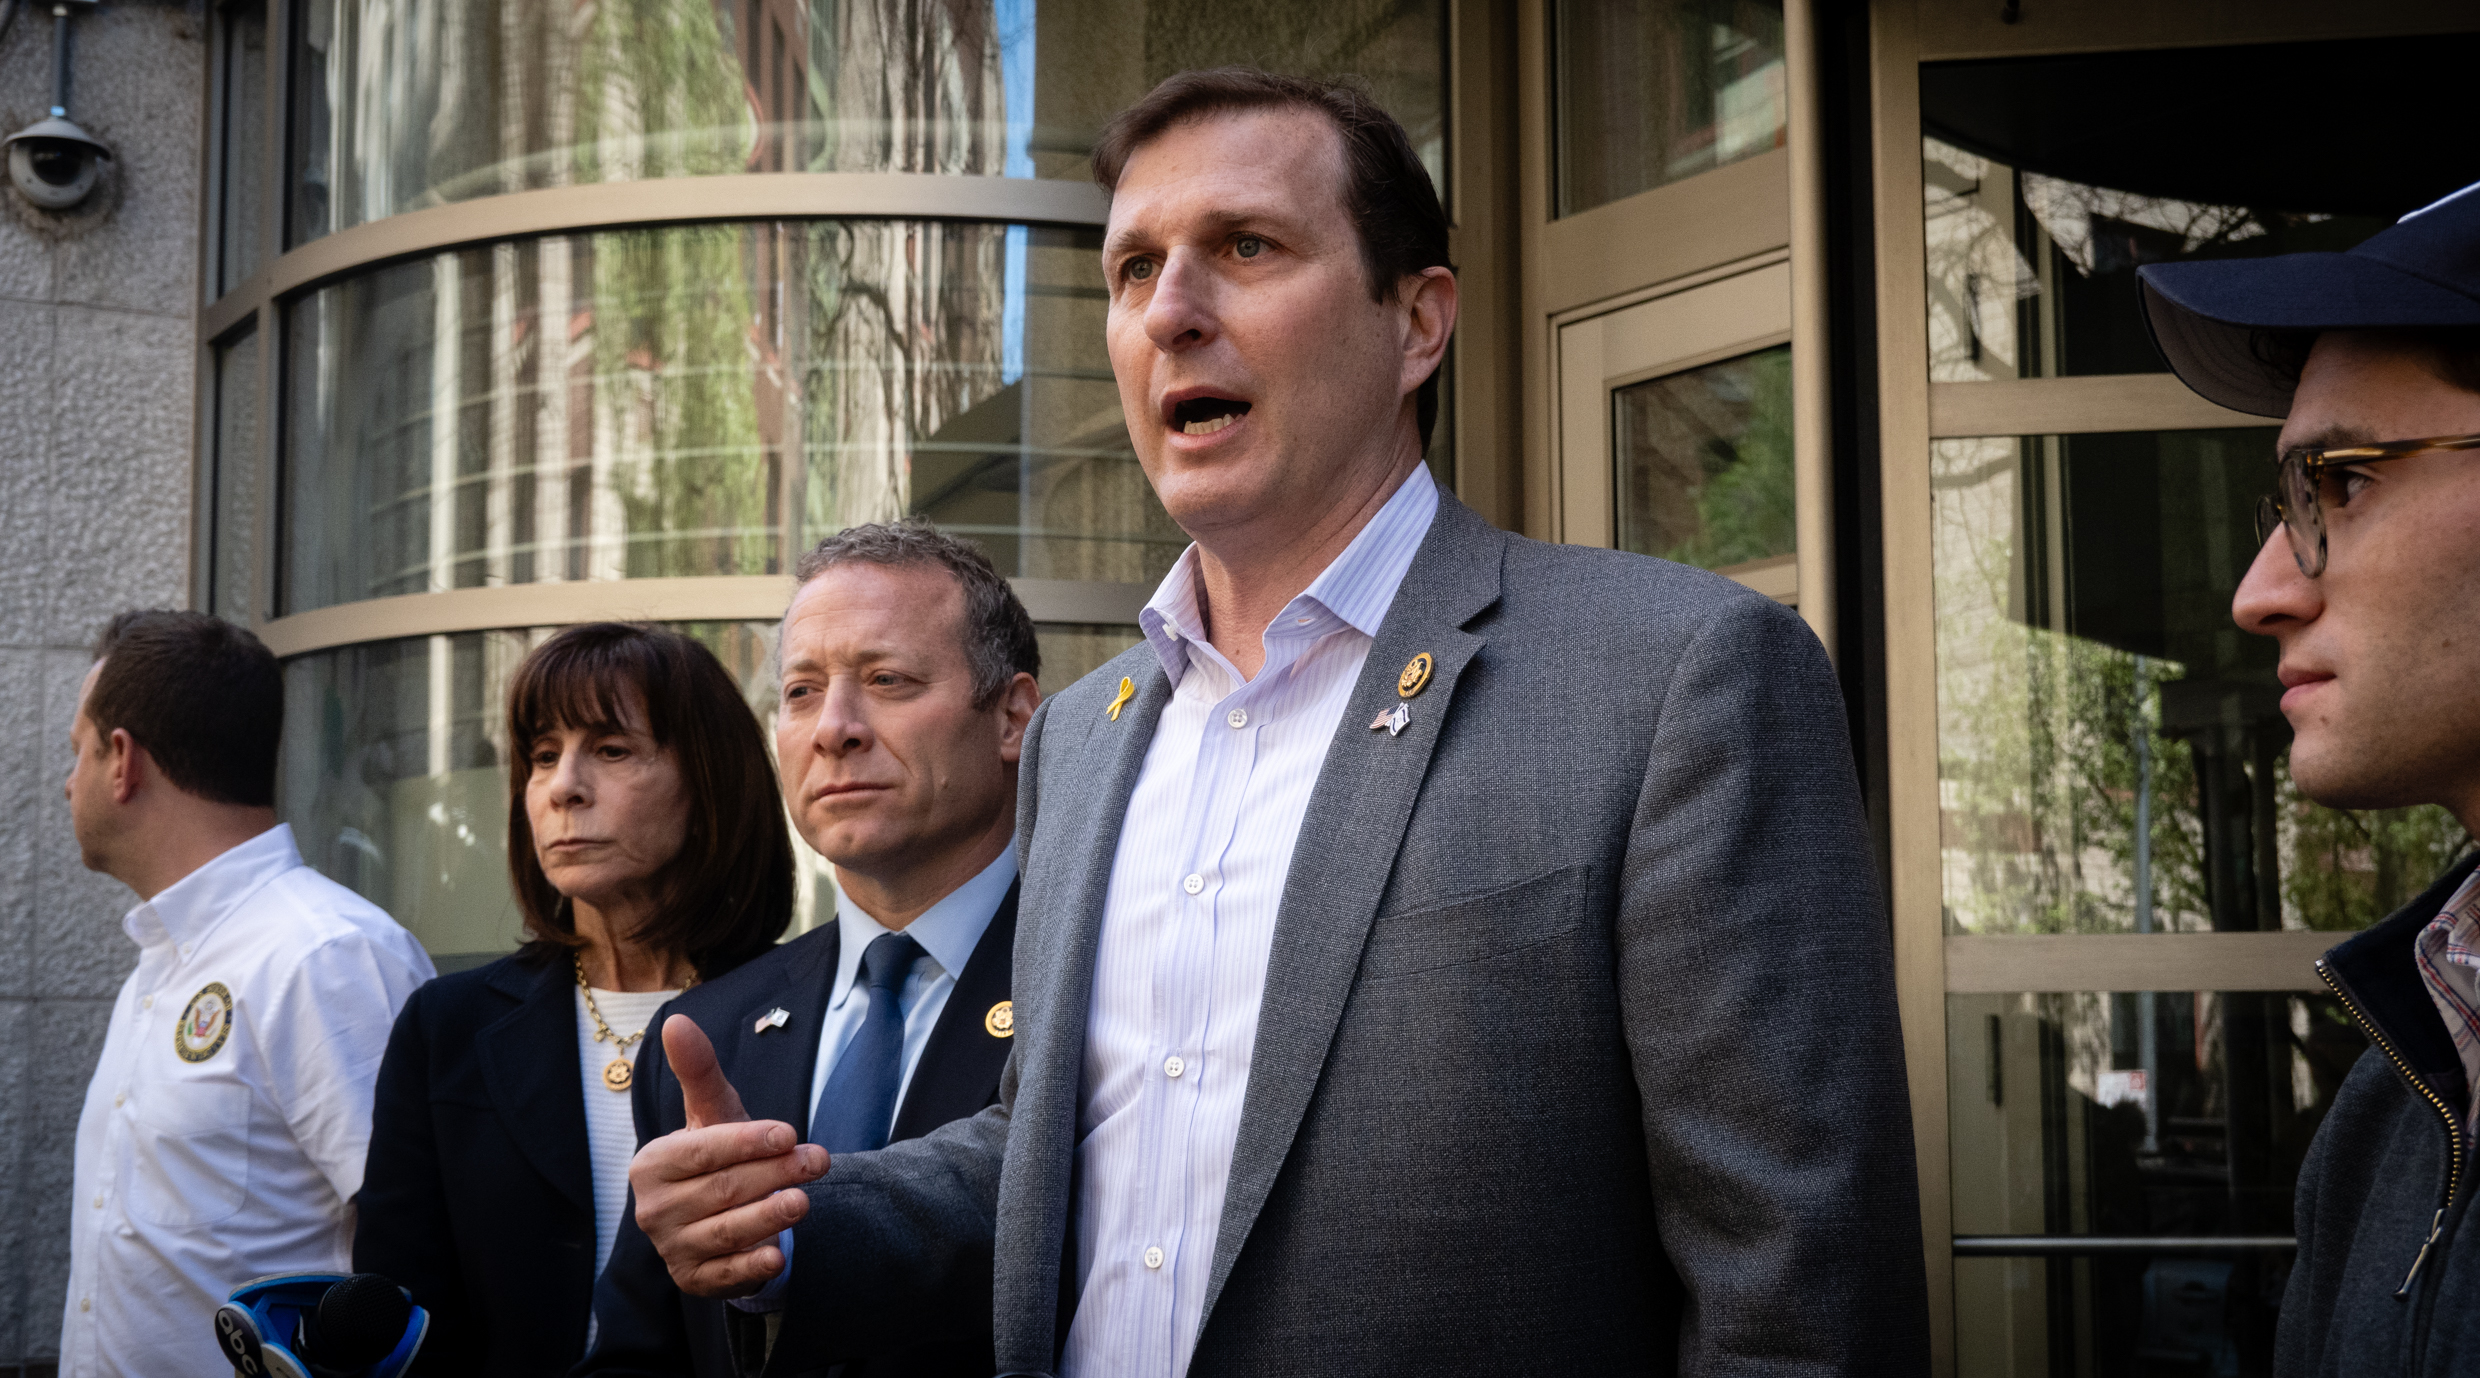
[{"x": 1578, "y": 1051}]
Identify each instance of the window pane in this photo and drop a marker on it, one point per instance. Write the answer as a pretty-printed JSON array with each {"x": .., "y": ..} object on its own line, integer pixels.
[
  {"x": 401, "y": 106},
  {"x": 2112, "y": 755},
  {"x": 708, "y": 400},
  {"x": 233, "y": 572},
  {"x": 242, "y": 197},
  {"x": 2176, "y": 1113},
  {"x": 1655, "y": 92},
  {"x": 1704, "y": 460},
  {"x": 394, "y": 770}
]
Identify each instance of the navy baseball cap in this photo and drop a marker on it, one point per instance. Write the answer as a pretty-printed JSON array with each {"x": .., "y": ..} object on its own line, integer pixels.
[{"x": 2422, "y": 271}]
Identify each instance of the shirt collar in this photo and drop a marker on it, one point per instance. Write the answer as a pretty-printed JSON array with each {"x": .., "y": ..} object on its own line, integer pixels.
[
  {"x": 188, "y": 908},
  {"x": 1354, "y": 590},
  {"x": 948, "y": 930}
]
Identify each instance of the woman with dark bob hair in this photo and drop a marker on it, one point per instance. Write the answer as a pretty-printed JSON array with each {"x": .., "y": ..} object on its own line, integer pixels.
[{"x": 646, "y": 842}]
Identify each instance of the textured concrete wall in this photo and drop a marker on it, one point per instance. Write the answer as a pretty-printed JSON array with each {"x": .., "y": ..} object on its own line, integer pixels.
[{"x": 97, "y": 360}]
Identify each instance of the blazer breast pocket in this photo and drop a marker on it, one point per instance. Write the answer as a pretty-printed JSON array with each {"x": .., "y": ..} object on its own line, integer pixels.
[{"x": 1462, "y": 930}]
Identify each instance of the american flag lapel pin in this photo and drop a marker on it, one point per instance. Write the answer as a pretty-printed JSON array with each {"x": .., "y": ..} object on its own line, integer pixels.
[{"x": 775, "y": 1018}]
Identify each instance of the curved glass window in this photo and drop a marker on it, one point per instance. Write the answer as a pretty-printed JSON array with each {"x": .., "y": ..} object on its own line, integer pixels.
[
  {"x": 706, "y": 400},
  {"x": 398, "y": 106},
  {"x": 394, "y": 769}
]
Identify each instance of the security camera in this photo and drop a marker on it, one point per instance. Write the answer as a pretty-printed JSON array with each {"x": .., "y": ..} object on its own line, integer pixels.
[{"x": 55, "y": 164}]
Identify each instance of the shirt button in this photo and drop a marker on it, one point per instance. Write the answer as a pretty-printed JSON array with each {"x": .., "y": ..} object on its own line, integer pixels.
[
  {"x": 118, "y": 1099},
  {"x": 1238, "y": 717},
  {"x": 1172, "y": 1066},
  {"x": 1153, "y": 1256},
  {"x": 98, "y": 1203},
  {"x": 1193, "y": 884},
  {"x": 147, "y": 1003},
  {"x": 86, "y": 1303}
]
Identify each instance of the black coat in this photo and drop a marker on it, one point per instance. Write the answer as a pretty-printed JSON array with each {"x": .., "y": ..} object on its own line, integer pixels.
[
  {"x": 2387, "y": 1168},
  {"x": 479, "y": 1192},
  {"x": 648, "y": 1327}
]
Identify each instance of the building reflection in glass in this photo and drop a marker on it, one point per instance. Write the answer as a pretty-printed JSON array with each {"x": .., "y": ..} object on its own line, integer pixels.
[
  {"x": 707, "y": 400},
  {"x": 2112, "y": 753},
  {"x": 398, "y": 106},
  {"x": 2132, "y": 1114},
  {"x": 1704, "y": 464},
  {"x": 394, "y": 769},
  {"x": 1651, "y": 94}
]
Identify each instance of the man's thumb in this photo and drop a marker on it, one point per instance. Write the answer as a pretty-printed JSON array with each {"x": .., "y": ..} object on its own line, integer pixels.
[{"x": 704, "y": 1092}]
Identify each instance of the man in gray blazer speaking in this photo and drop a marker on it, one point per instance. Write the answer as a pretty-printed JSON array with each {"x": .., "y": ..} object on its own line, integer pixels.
[{"x": 1438, "y": 951}]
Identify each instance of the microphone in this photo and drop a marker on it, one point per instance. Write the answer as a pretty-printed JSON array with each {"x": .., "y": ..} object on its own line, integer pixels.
[{"x": 320, "y": 1325}]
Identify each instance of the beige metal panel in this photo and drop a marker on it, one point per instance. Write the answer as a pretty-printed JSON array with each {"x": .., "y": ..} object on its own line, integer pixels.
[
  {"x": 1911, "y": 634},
  {"x": 1541, "y": 514},
  {"x": 1716, "y": 320},
  {"x": 751, "y": 598},
  {"x": 1736, "y": 211},
  {"x": 2135, "y": 961},
  {"x": 1951, "y": 29},
  {"x": 2076, "y": 406},
  {"x": 1484, "y": 210},
  {"x": 674, "y": 200},
  {"x": 1812, "y": 455}
]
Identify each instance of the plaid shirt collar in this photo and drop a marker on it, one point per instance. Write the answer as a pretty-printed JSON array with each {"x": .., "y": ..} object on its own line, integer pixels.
[{"x": 2448, "y": 953}]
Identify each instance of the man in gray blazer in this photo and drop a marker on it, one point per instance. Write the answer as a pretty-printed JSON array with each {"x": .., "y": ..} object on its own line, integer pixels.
[{"x": 1438, "y": 951}]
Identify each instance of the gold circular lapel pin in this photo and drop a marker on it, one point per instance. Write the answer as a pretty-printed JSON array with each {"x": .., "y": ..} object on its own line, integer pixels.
[
  {"x": 1001, "y": 1021},
  {"x": 1413, "y": 680},
  {"x": 1415, "y": 677}
]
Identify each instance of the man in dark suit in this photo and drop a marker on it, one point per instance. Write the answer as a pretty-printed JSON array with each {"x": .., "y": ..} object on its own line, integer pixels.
[
  {"x": 1441, "y": 952},
  {"x": 908, "y": 679}
]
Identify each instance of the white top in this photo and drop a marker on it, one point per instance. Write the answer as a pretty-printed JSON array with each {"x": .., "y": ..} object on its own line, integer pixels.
[
  {"x": 948, "y": 931},
  {"x": 225, "y": 1127},
  {"x": 611, "y": 1130},
  {"x": 1187, "y": 930}
]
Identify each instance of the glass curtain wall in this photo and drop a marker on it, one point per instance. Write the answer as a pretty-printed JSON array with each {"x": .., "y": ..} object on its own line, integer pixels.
[
  {"x": 398, "y": 104},
  {"x": 707, "y": 400},
  {"x": 2112, "y": 756}
]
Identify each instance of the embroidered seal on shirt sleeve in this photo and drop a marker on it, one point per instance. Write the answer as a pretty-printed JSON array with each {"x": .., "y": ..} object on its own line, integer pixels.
[{"x": 205, "y": 1024}]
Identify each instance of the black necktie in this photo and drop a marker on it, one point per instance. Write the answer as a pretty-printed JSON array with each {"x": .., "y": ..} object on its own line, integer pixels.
[{"x": 859, "y": 1105}]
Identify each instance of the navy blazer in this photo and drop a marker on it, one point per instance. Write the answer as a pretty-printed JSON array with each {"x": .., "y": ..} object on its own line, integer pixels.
[
  {"x": 648, "y": 1326},
  {"x": 479, "y": 1190}
]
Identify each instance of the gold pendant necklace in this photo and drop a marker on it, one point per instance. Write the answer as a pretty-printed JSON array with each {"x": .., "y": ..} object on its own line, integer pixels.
[{"x": 617, "y": 1073}]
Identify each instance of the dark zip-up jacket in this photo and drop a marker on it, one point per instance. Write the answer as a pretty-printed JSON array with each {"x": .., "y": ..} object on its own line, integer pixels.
[{"x": 2388, "y": 1276}]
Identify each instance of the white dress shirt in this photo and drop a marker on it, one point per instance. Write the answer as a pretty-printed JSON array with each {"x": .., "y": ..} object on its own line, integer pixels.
[
  {"x": 948, "y": 931},
  {"x": 1187, "y": 931},
  {"x": 225, "y": 1127}
]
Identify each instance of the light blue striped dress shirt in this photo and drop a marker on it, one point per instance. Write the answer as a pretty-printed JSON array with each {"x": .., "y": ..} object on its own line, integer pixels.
[{"x": 1187, "y": 930}]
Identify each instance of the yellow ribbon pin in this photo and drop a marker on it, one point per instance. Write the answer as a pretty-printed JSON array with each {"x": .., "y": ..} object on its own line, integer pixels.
[{"x": 1127, "y": 691}]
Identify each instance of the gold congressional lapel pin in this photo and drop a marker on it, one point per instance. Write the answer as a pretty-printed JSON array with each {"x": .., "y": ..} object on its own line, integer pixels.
[
  {"x": 1001, "y": 1021},
  {"x": 1412, "y": 681},
  {"x": 775, "y": 1018},
  {"x": 1415, "y": 677},
  {"x": 1127, "y": 691}
]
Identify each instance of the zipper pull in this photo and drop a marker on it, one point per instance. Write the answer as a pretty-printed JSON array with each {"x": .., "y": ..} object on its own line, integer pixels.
[{"x": 2434, "y": 1225}]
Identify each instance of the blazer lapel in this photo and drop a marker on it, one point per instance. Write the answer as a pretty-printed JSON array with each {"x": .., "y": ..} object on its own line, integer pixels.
[
  {"x": 529, "y": 1060},
  {"x": 959, "y": 1069},
  {"x": 773, "y": 1069},
  {"x": 1357, "y": 814},
  {"x": 1066, "y": 881}
]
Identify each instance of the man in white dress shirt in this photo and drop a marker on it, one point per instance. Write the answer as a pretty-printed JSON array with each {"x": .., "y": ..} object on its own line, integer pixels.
[
  {"x": 1442, "y": 952},
  {"x": 225, "y": 1128}
]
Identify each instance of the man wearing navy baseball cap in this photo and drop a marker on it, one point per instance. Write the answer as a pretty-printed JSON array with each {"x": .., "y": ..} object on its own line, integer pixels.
[{"x": 2369, "y": 577}]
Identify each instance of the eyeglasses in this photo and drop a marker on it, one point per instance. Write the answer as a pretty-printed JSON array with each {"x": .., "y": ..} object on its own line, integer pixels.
[{"x": 2302, "y": 479}]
